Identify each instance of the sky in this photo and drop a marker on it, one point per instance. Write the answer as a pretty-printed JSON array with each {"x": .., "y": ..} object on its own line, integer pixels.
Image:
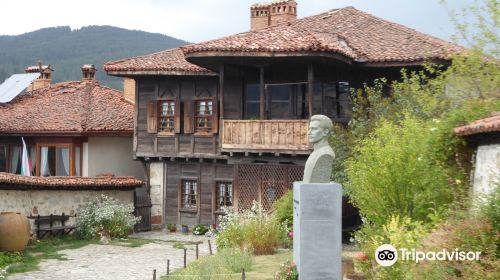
[{"x": 200, "y": 20}]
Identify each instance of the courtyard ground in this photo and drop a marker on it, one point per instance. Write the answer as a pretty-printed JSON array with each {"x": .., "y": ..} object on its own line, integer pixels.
[{"x": 119, "y": 260}]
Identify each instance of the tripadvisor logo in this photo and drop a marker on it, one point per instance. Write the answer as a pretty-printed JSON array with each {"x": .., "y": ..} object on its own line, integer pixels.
[{"x": 387, "y": 255}]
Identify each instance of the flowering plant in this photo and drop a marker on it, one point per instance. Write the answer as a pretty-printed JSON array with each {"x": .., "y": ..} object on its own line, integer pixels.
[
  {"x": 105, "y": 216},
  {"x": 288, "y": 271},
  {"x": 200, "y": 229}
]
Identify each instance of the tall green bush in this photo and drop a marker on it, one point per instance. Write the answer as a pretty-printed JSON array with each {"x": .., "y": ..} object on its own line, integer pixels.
[{"x": 393, "y": 173}]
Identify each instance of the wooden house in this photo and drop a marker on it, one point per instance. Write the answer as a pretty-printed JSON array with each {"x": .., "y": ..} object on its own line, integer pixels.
[{"x": 224, "y": 122}]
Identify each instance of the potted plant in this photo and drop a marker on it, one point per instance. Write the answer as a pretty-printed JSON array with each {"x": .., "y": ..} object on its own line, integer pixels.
[
  {"x": 200, "y": 229},
  {"x": 171, "y": 227},
  {"x": 185, "y": 229}
]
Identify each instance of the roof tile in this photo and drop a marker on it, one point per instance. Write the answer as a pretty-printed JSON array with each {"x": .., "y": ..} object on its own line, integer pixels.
[
  {"x": 7, "y": 180},
  {"x": 69, "y": 107},
  {"x": 489, "y": 124},
  {"x": 169, "y": 62},
  {"x": 348, "y": 31}
]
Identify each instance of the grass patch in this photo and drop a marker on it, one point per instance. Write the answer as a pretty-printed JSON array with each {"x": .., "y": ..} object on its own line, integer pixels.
[
  {"x": 230, "y": 263},
  {"x": 264, "y": 267},
  {"x": 45, "y": 249}
]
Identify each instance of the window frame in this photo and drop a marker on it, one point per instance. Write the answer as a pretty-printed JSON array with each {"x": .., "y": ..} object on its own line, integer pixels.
[
  {"x": 192, "y": 208},
  {"x": 208, "y": 119},
  {"x": 216, "y": 206},
  {"x": 159, "y": 116},
  {"x": 72, "y": 156}
]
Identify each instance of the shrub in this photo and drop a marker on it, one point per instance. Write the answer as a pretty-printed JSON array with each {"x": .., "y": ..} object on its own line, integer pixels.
[
  {"x": 105, "y": 216},
  {"x": 283, "y": 209},
  {"x": 200, "y": 229},
  {"x": 253, "y": 230},
  {"x": 466, "y": 230},
  {"x": 288, "y": 271},
  {"x": 399, "y": 232},
  {"x": 394, "y": 173}
]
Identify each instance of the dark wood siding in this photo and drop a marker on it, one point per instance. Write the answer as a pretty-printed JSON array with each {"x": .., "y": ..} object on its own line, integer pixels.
[{"x": 206, "y": 175}]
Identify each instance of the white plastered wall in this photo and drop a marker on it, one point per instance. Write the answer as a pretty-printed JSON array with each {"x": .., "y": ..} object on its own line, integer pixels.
[
  {"x": 156, "y": 182},
  {"x": 111, "y": 155},
  {"x": 487, "y": 171}
]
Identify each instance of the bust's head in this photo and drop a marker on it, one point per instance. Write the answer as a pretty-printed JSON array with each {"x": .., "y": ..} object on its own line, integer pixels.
[{"x": 319, "y": 128}]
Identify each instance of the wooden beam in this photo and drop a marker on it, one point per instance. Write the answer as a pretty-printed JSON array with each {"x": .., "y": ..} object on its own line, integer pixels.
[
  {"x": 310, "y": 88},
  {"x": 261, "y": 90},
  {"x": 221, "y": 91}
]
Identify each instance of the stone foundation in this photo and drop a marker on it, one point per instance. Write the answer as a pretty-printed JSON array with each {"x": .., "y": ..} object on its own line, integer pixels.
[{"x": 46, "y": 202}]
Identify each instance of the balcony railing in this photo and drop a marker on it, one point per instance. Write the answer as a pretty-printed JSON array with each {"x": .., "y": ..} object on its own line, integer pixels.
[{"x": 278, "y": 136}]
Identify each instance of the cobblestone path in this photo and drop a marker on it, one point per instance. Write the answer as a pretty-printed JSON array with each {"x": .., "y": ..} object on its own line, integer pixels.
[{"x": 95, "y": 262}]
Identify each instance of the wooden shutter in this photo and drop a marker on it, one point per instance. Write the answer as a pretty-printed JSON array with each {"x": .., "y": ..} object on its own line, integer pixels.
[
  {"x": 188, "y": 116},
  {"x": 152, "y": 116},
  {"x": 177, "y": 116},
  {"x": 215, "y": 116}
]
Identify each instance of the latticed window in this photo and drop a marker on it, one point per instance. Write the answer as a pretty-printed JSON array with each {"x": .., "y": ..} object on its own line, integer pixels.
[
  {"x": 188, "y": 194},
  {"x": 223, "y": 195},
  {"x": 203, "y": 116},
  {"x": 166, "y": 115}
]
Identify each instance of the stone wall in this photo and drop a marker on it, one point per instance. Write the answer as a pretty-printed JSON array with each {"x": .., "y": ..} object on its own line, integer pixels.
[
  {"x": 487, "y": 171},
  {"x": 46, "y": 202}
]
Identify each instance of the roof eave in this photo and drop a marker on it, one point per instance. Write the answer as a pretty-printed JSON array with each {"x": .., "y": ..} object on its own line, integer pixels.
[
  {"x": 126, "y": 73},
  {"x": 67, "y": 133}
]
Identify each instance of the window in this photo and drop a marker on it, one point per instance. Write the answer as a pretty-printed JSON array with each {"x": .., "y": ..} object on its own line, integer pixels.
[
  {"x": 58, "y": 160},
  {"x": 3, "y": 158},
  {"x": 54, "y": 161},
  {"x": 252, "y": 102},
  {"x": 203, "y": 115},
  {"x": 166, "y": 115},
  {"x": 332, "y": 99},
  {"x": 223, "y": 195},
  {"x": 189, "y": 194}
]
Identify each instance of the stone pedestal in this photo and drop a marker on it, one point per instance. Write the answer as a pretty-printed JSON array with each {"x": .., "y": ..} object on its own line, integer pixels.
[{"x": 317, "y": 226}]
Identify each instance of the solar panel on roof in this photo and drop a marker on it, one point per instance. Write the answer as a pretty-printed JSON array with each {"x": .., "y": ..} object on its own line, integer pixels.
[{"x": 14, "y": 85}]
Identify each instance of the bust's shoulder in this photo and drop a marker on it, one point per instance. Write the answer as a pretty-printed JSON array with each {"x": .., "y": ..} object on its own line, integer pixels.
[{"x": 325, "y": 151}]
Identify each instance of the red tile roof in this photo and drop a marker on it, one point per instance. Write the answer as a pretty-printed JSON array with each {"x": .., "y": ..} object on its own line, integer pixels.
[
  {"x": 351, "y": 33},
  {"x": 10, "y": 181},
  {"x": 168, "y": 62},
  {"x": 79, "y": 107},
  {"x": 489, "y": 124}
]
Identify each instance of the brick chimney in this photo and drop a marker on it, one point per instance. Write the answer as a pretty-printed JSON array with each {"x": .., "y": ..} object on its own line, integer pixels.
[
  {"x": 276, "y": 12},
  {"x": 88, "y": 72},
  {"x": 45, "y": 76}
]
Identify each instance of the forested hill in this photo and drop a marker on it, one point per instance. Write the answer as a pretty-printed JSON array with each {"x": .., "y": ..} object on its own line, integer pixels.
[{"x": 66, "y": 50}]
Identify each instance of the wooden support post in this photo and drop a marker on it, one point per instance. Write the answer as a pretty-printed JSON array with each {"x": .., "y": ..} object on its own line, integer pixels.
[
  {"x": 168, "y": 267},
  {"x": 262, "y": 91},
  {"x": 310, "y": 88},
  {"x": 197, "y": 250},
  {"x": 243, "y": 277},
  {"x": 154, "y": 274},
  {"x": 209, "y": 246},
  {"x": 221, "y": 91},
  {"x": 185, "y": 257}
]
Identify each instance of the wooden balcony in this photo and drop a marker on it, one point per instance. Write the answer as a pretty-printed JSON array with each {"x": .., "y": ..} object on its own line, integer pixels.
[{"x": 276, "y": 136}]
